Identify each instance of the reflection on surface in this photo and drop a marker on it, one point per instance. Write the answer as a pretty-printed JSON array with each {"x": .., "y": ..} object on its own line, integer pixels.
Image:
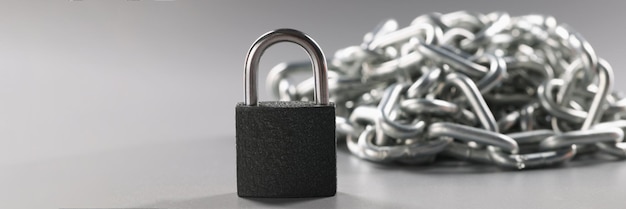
[
  {"x": 231, "y": 200},
  {"x": 201, "y": 174}
]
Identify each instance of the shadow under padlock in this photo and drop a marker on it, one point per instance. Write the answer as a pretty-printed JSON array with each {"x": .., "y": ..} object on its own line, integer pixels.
[{"x": 286, "y": 148}]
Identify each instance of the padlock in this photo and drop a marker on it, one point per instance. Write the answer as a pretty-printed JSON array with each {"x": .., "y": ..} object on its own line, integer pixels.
[{"x": 286, "y": 148}]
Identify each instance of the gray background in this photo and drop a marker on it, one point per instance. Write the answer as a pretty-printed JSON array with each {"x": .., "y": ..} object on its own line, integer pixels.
[{"x": 114, "y": 103}]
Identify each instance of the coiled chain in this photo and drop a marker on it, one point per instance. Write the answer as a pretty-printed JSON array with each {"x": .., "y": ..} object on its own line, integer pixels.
[{"x": 517, "y": 92}]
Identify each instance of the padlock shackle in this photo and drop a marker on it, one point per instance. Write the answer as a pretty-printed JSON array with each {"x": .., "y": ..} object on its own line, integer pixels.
[{"x": 285, "y": 35}]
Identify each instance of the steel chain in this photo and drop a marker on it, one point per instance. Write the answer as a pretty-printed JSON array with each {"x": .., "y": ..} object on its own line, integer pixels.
[{"x": 517, "y": 92}]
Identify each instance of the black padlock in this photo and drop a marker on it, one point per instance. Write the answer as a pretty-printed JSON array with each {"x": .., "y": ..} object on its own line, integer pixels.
[{"x": 286, "y": 148}]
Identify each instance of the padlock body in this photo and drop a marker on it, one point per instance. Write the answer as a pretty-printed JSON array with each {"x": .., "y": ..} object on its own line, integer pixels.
[{"x": 286, "y": 149}]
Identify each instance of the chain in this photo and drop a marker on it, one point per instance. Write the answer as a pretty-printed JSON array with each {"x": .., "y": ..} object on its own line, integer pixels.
[{"x": 517, "y": 92}]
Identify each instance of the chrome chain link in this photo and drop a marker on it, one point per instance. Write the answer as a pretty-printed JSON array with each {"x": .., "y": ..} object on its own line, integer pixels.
[{"x": 517, "y": 92}]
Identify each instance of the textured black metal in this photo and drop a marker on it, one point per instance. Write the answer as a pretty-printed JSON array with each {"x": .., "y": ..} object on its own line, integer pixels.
[{"x": 286, "y": 149}]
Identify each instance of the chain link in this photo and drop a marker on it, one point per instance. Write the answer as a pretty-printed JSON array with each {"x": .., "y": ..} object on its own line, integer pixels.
[{"x": 517, "y": 92}]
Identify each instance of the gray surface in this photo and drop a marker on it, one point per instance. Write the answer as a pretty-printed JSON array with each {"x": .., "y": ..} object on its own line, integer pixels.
[{"x": 131, "y": 103}]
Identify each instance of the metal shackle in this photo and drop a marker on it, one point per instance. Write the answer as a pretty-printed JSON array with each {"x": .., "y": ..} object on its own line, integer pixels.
[{"x": 285, "y": 35}]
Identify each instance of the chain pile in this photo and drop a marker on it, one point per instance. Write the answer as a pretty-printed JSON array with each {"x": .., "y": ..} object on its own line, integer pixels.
[{"x": 517, "y": 92}]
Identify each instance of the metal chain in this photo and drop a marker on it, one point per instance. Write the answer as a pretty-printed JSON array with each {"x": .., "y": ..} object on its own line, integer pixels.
[{"x": 517, "y": 92}]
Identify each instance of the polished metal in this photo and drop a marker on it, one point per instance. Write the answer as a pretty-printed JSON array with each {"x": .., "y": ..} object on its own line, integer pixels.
[
  {"x": 285, "y": 35},
  {"x": 513, "y": 91}
]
